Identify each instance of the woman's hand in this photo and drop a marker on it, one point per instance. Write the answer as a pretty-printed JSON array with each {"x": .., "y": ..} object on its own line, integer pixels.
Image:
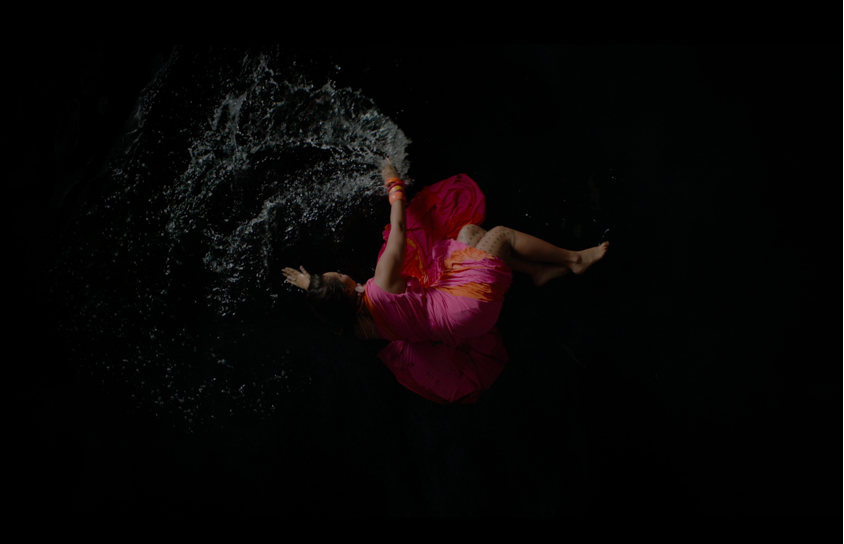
[
  {"x": 302, "y": 279},
  {"x": 388, "y": 170}
]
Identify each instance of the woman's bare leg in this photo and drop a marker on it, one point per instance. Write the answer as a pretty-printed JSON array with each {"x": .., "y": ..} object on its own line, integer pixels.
[
  {"x": 541, "y": 273},
  {"x": 504, "y": 242}
]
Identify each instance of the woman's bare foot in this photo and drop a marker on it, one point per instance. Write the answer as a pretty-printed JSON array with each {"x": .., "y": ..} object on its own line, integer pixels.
[
  {"x": 545, "y": 272},
  {"x": 588, "y": 257}
]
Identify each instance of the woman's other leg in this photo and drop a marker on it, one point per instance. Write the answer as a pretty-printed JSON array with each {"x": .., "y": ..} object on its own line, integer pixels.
[
  {"x": 507, "y": 243},
  {"x": 472, "y": 235}
]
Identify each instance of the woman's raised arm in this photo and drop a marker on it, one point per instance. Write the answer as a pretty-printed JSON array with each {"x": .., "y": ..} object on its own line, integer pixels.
[{"x": 388, "y": 274}]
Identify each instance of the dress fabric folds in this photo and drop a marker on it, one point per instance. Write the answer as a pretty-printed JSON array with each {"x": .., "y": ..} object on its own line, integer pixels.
[{"x": 444, "y": 344}]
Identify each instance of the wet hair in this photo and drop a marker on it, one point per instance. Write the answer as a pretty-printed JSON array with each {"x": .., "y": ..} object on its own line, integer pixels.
[{"x": 331, "y": 303}]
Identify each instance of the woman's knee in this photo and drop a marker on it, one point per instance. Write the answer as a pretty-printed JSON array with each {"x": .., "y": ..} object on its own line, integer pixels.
[
  {"x": 504, "y": 234},
  {"x": 499, "y": 241},
  {"x": 471, "y": 235}
]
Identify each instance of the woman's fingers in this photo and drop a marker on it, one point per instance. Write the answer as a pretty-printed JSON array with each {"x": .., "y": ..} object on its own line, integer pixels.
[
  {"x": 292, "y": 274},
  {"x": 388, "y": 170},
  {"x": 301, "y": 279}
]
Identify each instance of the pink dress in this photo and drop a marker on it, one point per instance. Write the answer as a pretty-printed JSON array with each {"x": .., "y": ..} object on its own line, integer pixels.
[{"x": 444, "y": 344}]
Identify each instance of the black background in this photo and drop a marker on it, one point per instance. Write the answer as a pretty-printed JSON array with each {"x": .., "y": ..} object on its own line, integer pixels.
[{"x": 695, "y": 370}]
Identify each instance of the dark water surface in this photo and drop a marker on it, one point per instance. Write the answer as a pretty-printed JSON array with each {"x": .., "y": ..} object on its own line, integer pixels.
[{"x": 158, "y": 193}]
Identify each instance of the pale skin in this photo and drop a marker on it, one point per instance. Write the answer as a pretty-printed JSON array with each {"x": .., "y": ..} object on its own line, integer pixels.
[{"x": 524, "y": 253}]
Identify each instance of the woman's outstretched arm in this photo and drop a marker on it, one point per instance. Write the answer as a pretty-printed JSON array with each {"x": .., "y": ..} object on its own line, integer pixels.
[{"x": 388, "y": 272}]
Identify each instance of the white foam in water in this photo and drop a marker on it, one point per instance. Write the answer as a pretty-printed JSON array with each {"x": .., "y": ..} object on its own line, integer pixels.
[{"x": 191, "y": 174}]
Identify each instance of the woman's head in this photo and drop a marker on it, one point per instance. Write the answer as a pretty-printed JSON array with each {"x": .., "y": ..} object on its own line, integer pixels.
[
  {"x": 348, "y": 282},
  {"x": 334, "y": 299}
]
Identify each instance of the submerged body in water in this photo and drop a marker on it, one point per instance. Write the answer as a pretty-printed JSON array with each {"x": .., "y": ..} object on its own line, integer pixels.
[{"x": 438, "y": 288}]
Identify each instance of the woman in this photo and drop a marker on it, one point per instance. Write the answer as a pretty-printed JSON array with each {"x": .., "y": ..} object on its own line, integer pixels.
[{"x": 438, "y": 288}]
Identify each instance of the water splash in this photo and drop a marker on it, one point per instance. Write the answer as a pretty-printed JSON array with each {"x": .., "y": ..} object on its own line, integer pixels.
[{"x": 232, "y": 162}]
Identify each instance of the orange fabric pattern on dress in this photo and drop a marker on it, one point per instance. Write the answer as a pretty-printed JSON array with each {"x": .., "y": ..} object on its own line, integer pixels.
[
  {"x": 414, "y": 266},
  {"x": 478, "y": 291},
  {"x": 468, "y": 253},
  {"x": 456, "y": 264}
]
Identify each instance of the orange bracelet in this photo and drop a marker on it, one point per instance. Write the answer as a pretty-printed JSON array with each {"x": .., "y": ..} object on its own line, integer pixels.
[
  {"x": 395, "y": 188},
  {"x": 398, "y": 195}
]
